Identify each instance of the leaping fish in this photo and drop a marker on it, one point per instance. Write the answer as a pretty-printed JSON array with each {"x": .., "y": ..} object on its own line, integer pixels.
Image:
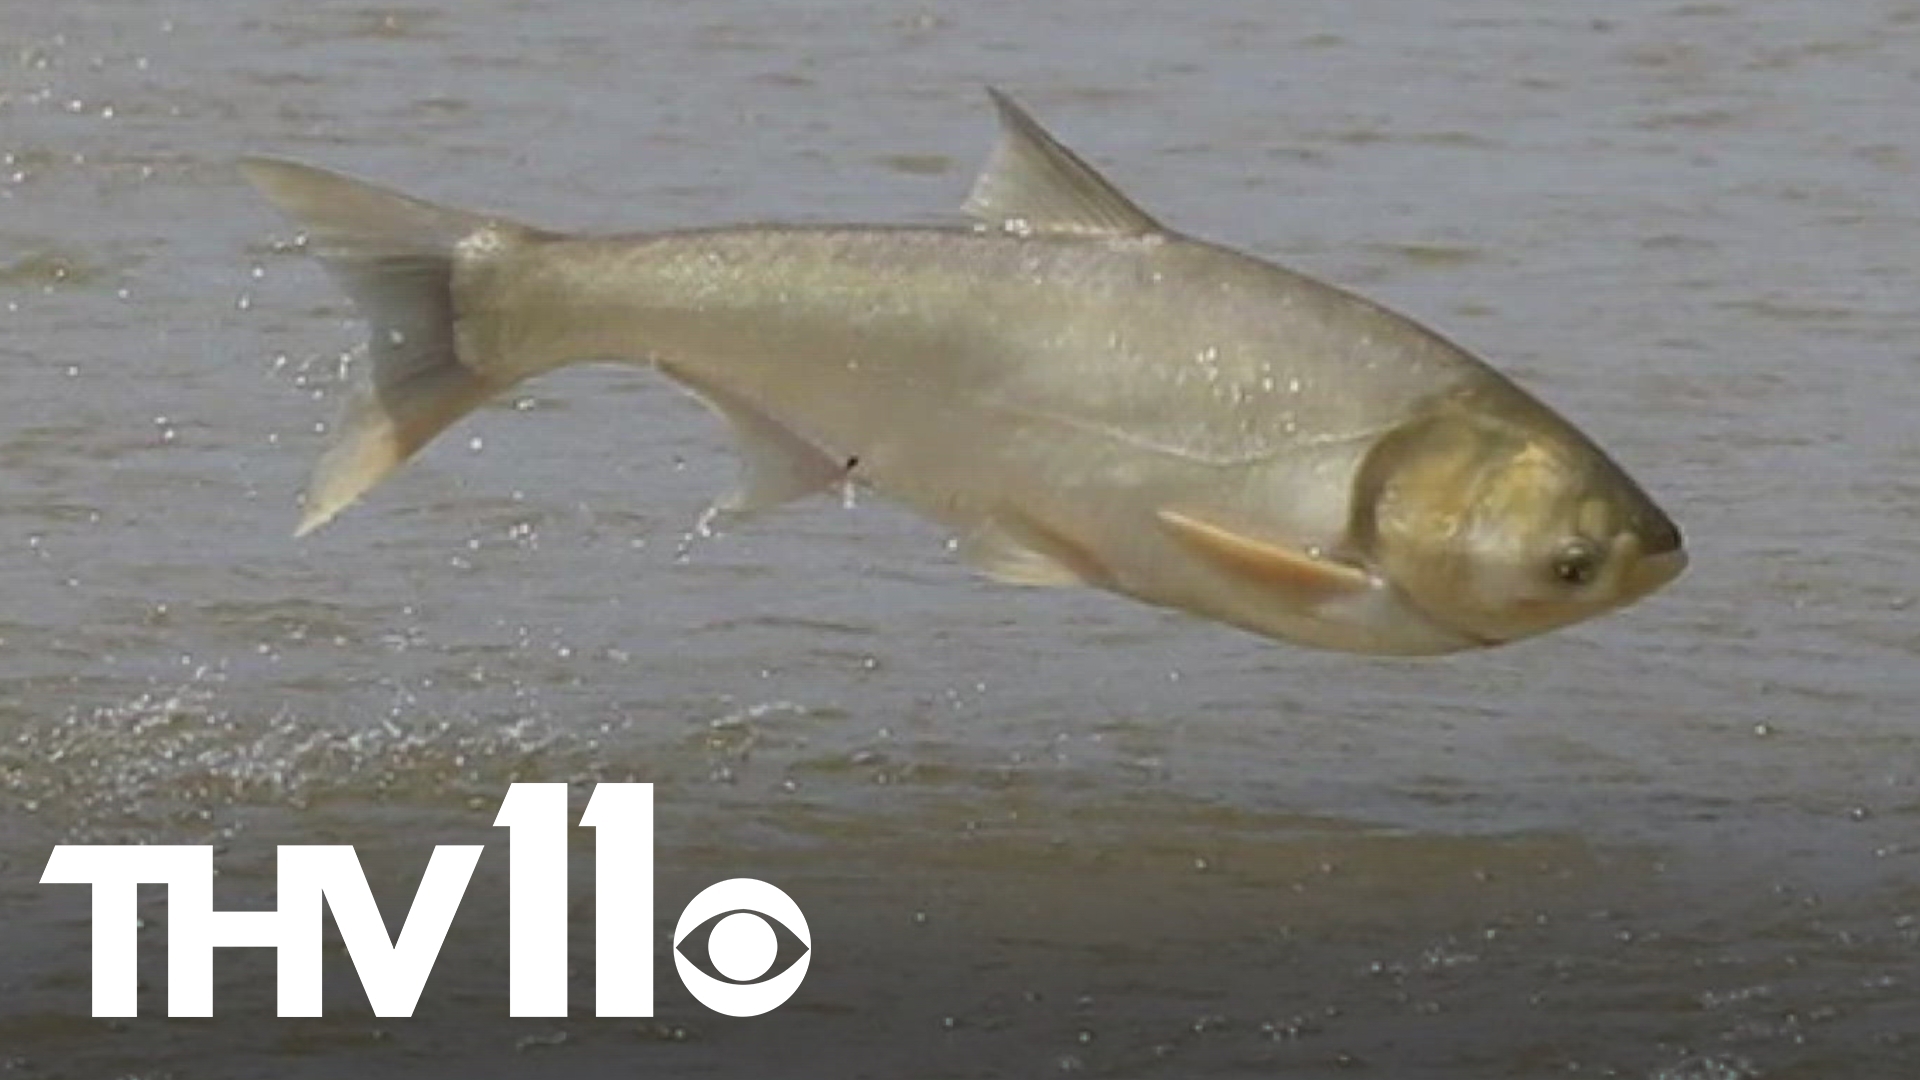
[{"x": 1082, "y": 395}]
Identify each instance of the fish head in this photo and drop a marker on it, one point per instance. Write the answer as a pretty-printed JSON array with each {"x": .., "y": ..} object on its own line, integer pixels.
[{"x": 1499, "y": 521}]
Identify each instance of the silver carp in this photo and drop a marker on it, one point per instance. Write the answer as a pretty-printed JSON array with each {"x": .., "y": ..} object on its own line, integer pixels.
[{"x": 1083, "y": 396}]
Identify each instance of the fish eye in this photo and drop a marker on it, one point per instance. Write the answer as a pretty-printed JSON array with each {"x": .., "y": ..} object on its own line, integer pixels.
[{"x": 1576, "y": 562}]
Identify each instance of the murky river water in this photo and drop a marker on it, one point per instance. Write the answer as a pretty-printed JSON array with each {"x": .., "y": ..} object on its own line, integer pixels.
[{"x": 1034, "y": 832}]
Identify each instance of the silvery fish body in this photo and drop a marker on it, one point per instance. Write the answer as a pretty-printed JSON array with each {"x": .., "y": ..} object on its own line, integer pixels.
[{"x": 1081, "y": 395}]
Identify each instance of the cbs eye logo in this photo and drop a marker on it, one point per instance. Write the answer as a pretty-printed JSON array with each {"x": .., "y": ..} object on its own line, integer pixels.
[{"x": 742, "y": 947}]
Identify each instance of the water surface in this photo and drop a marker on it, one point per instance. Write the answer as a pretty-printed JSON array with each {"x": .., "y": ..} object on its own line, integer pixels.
[{"x": 1035, "y": 832}]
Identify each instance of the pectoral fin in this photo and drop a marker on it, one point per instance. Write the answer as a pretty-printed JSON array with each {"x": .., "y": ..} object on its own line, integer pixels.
[
  {"x": 776, "y": 465},
  {"x": 1311, "y": 578},
  {"x": 1013, "y": 548}
]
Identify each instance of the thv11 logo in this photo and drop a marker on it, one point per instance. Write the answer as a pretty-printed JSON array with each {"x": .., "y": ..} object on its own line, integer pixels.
[{"x": 742, "y": 917}]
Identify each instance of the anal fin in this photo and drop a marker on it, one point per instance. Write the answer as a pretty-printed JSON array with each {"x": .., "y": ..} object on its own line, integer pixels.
[{"x": 776, "y": 464}]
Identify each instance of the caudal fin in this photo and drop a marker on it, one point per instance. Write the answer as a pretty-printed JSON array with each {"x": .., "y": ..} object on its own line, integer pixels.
[{"x": 394, "y": 256}]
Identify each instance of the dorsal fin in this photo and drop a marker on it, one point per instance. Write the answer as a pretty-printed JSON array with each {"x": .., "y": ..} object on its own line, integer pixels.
[{"x": 1032, "y": 184}]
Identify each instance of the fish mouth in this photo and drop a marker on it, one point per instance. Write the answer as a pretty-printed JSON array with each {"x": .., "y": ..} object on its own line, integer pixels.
[
  {"x": 1658, "y": 536},
  {"x": 1652, "y": 560},
  {"x": 1655, "y": 569}
]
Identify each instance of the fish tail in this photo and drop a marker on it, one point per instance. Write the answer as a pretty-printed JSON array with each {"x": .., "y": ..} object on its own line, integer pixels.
[{"x": 395, "y": 256}]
